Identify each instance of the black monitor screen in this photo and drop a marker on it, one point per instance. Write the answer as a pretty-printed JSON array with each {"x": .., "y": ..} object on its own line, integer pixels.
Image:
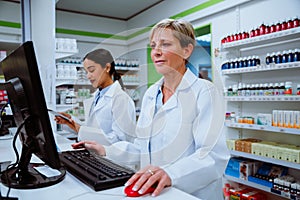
[{"x": 25, "y": 92}]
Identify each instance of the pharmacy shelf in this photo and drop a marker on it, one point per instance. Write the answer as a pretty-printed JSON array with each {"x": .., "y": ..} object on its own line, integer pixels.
[
  {"x": 131, "y": 84},
  {"x": 263, "y": 98},
  {"x": 266, "y": 159},
  {"x": 262, "y": 68},
  {"x": 71, "y": 64},
  {"x": 127, "y": 68},
  {"x": 264, "y": 128},
  {"x": 262, "y": 41},
  {"x": 71, "y": 81},
  {"x": 63, "y": 54},
  {"x": 252, "y": 184},
  {"x": 66, "y": 107}
]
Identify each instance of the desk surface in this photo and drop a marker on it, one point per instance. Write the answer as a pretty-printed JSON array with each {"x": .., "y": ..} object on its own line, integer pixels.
[{"x": 71, "y": 188}]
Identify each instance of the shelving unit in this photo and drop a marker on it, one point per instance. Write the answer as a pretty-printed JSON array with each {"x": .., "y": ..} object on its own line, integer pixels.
[
  {"x": 68, "y": 82},
  {"x": 264, "y": 128},
  {"x": 131, "y": 84},
  {"x": 252, "y": 105},
  {"x": 254, "y": 185}
]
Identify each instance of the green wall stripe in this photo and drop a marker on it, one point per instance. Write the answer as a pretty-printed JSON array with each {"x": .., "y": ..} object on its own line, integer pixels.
[
  {"x": 202, "y": 30},
  {"x": 196, "y": 8},
  {"x": 10, "y": 24},
  {"x": 90, "y": 34},
  {"x": 144, "y": 30}
]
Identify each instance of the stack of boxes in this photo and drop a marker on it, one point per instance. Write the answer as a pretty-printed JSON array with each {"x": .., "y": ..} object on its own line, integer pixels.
[{"x": 286, "y": 152}]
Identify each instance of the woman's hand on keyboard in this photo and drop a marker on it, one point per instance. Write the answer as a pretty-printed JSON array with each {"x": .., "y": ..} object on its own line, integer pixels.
[{"x": 91, "y": 146}]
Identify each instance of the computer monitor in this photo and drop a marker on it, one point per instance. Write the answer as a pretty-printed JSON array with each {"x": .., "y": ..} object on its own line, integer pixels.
[{"x": 26, "y": 96}]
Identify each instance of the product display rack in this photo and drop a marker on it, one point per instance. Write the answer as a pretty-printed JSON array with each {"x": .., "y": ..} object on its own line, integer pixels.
[
  {"x": 263, "y": 128},
  {"x": 252, "y": 105}
]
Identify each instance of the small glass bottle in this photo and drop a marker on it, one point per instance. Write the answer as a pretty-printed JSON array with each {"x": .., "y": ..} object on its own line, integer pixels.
[
  {"x": 296, "y": 22},
  {"x": 288, "y": 88},
  {"x": 234, "y": 90},
  {"x": 271, "y": 89},
  {"x": 289, "y": 23},
  {"x": 268, "y": 59},
  {"x": 261, "y": 89},
  {"x": 278, "y": 58},
  {"x": 239, "y": 92},
  {"x": 229, "y": 91},
  {"x": 298, "y": 89},
  {"x": 278, "y": 26},
  {"x": 296, "y": 55},
  {"x": 272, "y": 28},
  {"x": 283, "y": 25},
  {"x": 244, "y": 89},
  {"x": 252, "y": 90},
  {"x": 276, "y": 89},
  {"x": 273, "y": 58},
  {"x": 284, "y": 58},
  {"x": 281, "y": 88},
  {"x": 256, "y": 89},
  {"x": 290, "y": 57},
  {"x": 262, "y": 29},
  {"x": 266, "y": 89},
  {"x": 248, "y": 93}
]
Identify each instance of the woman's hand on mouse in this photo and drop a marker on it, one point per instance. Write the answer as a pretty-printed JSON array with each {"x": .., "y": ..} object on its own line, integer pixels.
[{"x": 149, "y": 176}]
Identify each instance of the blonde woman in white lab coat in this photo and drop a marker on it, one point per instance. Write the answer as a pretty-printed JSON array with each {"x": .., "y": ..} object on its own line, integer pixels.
[
  {"x": 179, "y": 132},
  {"x": 110, "y": 114}
]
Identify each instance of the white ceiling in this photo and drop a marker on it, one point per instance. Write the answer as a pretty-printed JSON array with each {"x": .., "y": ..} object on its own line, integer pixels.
[{"x": 114, "y": 9}]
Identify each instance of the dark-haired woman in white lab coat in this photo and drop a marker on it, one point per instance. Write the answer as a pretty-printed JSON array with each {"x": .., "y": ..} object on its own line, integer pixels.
[{"x": 110, "y": 114}]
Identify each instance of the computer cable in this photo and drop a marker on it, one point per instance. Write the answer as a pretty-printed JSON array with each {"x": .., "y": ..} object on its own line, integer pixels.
[
  {"x": 3, "y": 130},
  {"x": 16, "y": 153}
]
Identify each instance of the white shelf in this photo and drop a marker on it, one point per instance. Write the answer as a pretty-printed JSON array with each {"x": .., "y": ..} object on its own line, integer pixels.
[
  {"x": 262, "y": 45},
  {"x": 252, "y": 184},
  {"x": 71, "y": 64},
  {"x": 63, "y": 54},
  {"x": 262, "y": 68},
  {"x": 73, "y": 81},
  {"x": 65, "y": 107},
  {"x": 263, "y": 98},
  {"x": 127, "y": 68},
  {"x": 131, "y": 84},
  {"x": 266, "y": 159},
  {"x": 265, "y": 40},
  {"x": 264, "y": 128}
]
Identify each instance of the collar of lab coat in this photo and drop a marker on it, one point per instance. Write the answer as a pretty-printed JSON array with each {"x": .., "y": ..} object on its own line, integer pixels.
[
  {"x": 109, "y": 94},
  {"x": 188, "y": 79}
]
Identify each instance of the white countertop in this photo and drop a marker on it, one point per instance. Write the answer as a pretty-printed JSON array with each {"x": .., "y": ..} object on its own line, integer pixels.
[{"x": 71, "y": 188}]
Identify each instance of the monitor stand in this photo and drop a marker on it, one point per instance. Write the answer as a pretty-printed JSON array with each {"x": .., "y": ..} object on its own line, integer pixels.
[{"x": 24, "y": 176}]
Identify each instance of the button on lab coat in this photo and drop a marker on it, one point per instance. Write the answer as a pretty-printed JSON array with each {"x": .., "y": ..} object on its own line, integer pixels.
[
  {"x": 112, "y": 119},
  {"x": 184, "y": 137}
]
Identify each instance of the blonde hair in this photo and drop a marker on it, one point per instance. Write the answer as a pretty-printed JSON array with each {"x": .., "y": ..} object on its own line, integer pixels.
[{"x": 183, "y": 30}]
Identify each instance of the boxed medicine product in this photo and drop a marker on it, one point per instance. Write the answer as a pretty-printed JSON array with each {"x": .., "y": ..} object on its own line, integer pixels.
[
  {"x": 275, "y": 118},
  {"x": 264, "y": 119},
  {"x": 246, "y": 169},
  {"x": 230, "y": 144},
  {"x": 297, "y": 119}
]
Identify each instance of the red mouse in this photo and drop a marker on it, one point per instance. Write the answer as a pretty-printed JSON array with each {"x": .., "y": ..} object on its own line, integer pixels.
[{"x": 130, "y": 193}]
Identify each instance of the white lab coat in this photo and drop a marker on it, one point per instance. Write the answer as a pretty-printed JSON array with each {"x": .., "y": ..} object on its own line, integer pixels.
[
  {"x": 113, "y": 118},
  {"x": 185, "y": 135}
]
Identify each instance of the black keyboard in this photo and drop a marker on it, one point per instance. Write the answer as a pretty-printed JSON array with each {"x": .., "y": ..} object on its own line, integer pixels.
[{"x": 97, "y": 172}]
